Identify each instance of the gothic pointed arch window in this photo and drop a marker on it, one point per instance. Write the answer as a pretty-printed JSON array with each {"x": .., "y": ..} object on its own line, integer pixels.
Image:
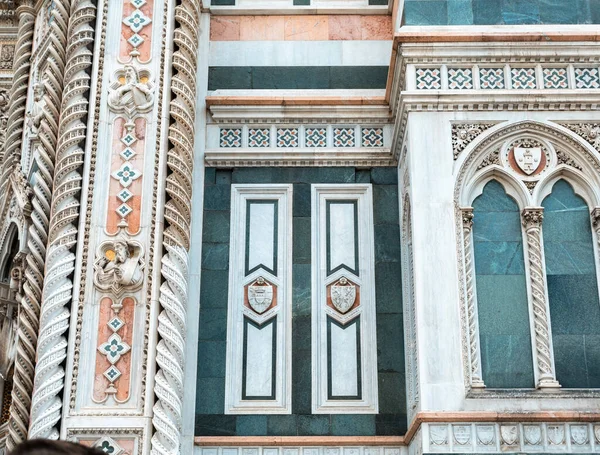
[
  {"x": 572, "y": 280},
  {"x": 503, "y": 315},
  {"x": 529, "y": 196}
]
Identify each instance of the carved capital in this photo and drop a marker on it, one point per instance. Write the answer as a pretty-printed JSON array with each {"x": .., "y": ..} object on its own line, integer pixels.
[
  {"x": 596, "y": 218},
  {"x": 25, "y": 7},
  {"x": 467, "y": 218},
  {"x": 532, "y": 217}
]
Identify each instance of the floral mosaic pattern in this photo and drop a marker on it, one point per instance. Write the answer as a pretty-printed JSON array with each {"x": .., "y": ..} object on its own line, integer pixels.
[
  {"x": 343, "y": 137},
  {"x": 230, "y": 137},
  {"x": 429, "y": 79},
  {"x": 287, "y": 137},
  {"x": 460, "y": 78},
  {"x": 259, "y": 137},
  {"x": 523, "y": 78},
  {"x": 372, "y": 137},
  {"x": 555, "y": 78},
  {"x": 587, "y": 78},
  {"x": 316, "y": 137},
  {"x": 491, "y": 78}
]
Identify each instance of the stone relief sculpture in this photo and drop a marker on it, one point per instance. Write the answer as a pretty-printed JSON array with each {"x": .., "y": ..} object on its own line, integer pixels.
[
  {"x": 36, "y": 114},
  {"x": 132, "y": 95},
  {"x": 119, "y": 267}
]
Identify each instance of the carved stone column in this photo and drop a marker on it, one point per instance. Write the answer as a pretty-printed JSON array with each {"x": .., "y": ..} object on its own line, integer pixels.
[
  {"x": 596, "y": 223},
  {"x": 474, "y": 351},
  {"x": 532, "y": 222},
  {"x": 18, "y": 97},
  {"x": 46, "y": 120},
  {"x": 62, "y": 237}
]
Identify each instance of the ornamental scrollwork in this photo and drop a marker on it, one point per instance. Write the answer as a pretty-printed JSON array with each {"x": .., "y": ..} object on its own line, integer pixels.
[{"x": 465, "y": 133}]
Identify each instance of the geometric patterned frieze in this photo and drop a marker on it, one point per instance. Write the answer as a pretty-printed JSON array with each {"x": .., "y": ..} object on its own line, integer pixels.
[
  {"x": 523, "y": 78},
  {"x": 553, "y": 77},
  {"x": 287, "y": 137},
  {"x": 492, "y": 78},
  {"x": 231, "y": 137},
  {"x": 460, "y": 78},
  {"x": 429, "y": 79},
  {"x": 316, "y": 137},
  {"x": 511, "y": 437},
  {"x": 372, "y": 137},
  {"x": 587, "y": 78},
  {"x": 258, "y": 137},
  {"x": 343, "y": 137}
]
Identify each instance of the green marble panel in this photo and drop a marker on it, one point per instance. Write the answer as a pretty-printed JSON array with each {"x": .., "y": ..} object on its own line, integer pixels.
[
  {"x": 504, "y": 329},
  {"x": 301, "y": 247},
  {"x": 350, "y": 425},
  {"x": 313, "y": 425},
  {"x": 390, "y": 424},
  {"x": 572, "y": 287},
  {"x": 215, "y": 425},
  {"x": 215, "y": 256},
  {"x": 251, "y": 425},
  {"x": 281, "y": 425}
]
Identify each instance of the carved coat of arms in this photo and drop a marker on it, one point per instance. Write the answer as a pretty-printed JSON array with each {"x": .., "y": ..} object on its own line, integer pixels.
[
  {"x": 579, "y": 434},
  {"x": 260, "y": 295},
  {"x": 509, "y": 434},
  {"x": 528, "y": 159},
  {"x": 556, "y": 434},
  {"x": 343, "y": 295}
]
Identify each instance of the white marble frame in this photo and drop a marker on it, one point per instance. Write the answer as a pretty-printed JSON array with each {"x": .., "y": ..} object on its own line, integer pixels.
[
  {"x": 362, "y": 193},
  {"x": 282, "y": 404}
]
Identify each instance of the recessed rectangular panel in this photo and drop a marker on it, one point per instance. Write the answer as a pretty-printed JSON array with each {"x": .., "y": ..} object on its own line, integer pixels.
[
  {"x": 343, "y": 352},
  {"x": 342, "y": 236},
  {"x": 344, "y": 338},
  {"x": 261, "y": 236},
  {"x": 259, "y": 368}
]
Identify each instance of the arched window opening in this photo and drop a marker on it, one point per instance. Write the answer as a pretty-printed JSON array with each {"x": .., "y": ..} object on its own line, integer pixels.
[
  {"x": 503, "y": 314},
  {"x": 572, "y": 288}
]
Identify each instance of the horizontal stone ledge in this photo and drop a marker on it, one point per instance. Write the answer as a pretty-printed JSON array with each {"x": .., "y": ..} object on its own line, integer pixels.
[
  {"x": 236, "y": 441},
  {"x": 506, "y": 33},
  {"x": 295, "y": 101}
]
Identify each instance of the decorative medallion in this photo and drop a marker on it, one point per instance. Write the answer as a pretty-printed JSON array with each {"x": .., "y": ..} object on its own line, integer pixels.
[
  {"x": 260, "y": 295},
  {"x": 556, "y": 434},
  {"x": 114, "y": 348},
  {"x": 343, "y": 295},
  {"x": 509, "y": 434}
]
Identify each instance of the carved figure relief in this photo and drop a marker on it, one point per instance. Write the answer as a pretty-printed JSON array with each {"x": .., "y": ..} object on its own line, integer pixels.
[
  {"x": 343, "y": 295},
  {"x": 130, "y": 94},
  {"x": 36, "y": 114},
  {"x": 119, "y": 266},
  {"x": 260, "y": 295}
]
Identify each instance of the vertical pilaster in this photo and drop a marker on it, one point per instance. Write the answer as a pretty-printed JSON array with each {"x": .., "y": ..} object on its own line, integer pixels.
[
  {"x": 474, "y": 351},
  {"x": 532, "y": 218}
]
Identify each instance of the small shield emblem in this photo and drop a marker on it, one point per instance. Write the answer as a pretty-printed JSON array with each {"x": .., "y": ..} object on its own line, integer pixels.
[
  {"x": 579, "y": 434},
  {"x": 462, "y": 434},
  {"x": 485, "y": 434},
  {"x": 597, "y": 433},
  {"x": 556, "y": 434},
  {"x": 528, "y": 159},
  {"x": 343, "y": 295},
  {"x": 533, "y": 434},
  {"x": 509, "y": 434},
  {"x": 260, "y": 295},
  {"x": 438, "y": 435}
]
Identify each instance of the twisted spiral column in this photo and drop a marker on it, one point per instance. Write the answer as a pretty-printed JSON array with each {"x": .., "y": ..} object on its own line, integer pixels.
[
  {"x": 474, "y": 352},
  {"x": 170, "y": 350},
  {"x": 62, "y": 239},
  {"x": 532, "y": 222},
  {"x": 38, "y": 231},
  {"x": 18, "y": 95}
]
